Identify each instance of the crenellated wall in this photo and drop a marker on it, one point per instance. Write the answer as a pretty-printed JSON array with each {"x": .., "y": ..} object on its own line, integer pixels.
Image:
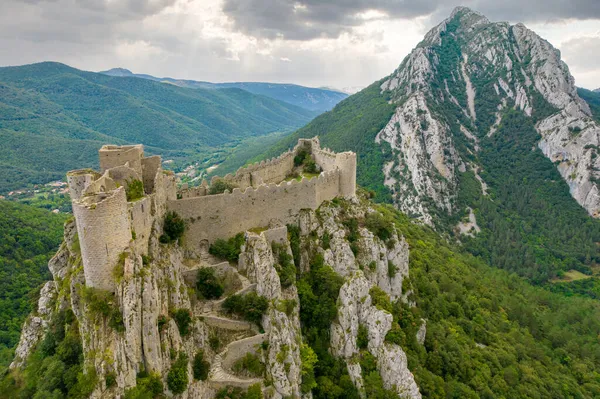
[
  {"x": 107, "y": 223},
  {"x": 224, "y": 215},
  {"x": 264, "y": 172}
]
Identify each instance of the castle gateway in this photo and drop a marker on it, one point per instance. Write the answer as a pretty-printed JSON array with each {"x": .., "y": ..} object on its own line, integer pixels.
[{"x": 266, "y": 194}]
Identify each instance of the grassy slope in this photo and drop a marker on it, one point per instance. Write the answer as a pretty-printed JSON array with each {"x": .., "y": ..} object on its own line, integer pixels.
[{"x": 53, "y": 118}]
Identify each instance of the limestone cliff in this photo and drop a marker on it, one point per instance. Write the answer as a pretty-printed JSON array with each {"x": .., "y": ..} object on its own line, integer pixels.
[
  {"x": 453, "y": 89},
  {"x": 140, "y": 333}
]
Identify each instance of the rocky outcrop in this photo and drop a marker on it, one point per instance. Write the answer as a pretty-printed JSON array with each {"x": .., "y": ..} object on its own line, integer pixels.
[
  {"x": 465, "y": 62},
  {"x": 355, "y": 309}
]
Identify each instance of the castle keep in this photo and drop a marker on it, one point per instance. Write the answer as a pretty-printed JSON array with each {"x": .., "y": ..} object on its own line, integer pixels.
[{"x": 266, "y": 194}]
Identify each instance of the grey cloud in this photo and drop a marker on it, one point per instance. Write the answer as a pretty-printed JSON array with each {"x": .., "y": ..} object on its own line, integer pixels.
[
  {"x": 582, "y": 53},
  {"x": 309, "y": 19}
]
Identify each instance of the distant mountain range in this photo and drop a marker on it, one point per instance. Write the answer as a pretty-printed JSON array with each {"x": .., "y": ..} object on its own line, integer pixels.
[
  {"x": 314, "y": 99},
  {"x": 53, "y": 118}
]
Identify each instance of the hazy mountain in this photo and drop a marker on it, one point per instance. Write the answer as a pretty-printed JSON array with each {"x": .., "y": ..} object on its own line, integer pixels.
[
  {"x": 314, "y": 99},
  {"x": 53, "y": 118}
]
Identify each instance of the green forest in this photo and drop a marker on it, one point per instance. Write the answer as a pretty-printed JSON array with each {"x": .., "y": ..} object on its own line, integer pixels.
[
  {"x": 490, "y": 333},
  {"x": 29, "y": 237},
  {"x": 54, "y": 118}
]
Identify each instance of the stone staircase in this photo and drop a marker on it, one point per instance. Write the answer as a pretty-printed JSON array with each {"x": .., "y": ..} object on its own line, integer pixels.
[{"x": 219, "y": 377}]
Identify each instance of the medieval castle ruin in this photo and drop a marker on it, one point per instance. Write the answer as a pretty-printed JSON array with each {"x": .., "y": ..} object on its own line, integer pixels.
[{"x": 266, "y": 194}]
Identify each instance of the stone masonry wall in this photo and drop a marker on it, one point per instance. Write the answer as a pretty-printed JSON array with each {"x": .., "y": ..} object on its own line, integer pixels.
[
  {"x": 224, "y": 215},
  {"x": 112, "y": 156},
  {"x": 265, "y": 172},
  {"x": 104, "y": 233}
]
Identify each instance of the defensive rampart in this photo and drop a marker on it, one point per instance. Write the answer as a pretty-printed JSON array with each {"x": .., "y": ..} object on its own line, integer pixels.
[
  {"x": 258, "y": 201},
  {"x": 107, "y": 224},
  {"x": 266, "y": 194}
]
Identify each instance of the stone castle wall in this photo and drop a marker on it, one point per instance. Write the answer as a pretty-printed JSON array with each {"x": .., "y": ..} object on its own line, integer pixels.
[
  {"x": 107, "y": 222},
  {"x": 112, "y": 156},
  {"x": 264, "y": 172},
  {"x": 104, "y": 233},
  {"x": 224, "y": 215}
]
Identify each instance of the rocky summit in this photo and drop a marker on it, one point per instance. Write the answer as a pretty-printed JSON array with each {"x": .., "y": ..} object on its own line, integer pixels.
[{"x": 463, "y": 77}]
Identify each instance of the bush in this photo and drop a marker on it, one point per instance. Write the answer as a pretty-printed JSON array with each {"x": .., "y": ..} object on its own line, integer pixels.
[
  {"x": 362, "y": 339},
  {"x": 134, "y": 190},
  {"x": 253, "y": 392},
  {"x": 251, "y": 364},
  {"x": 380, "y": 299},
  {"x": 200, "y": 367},
  {"x": 379, "y": 225},
  {"x": 228, "y": 249},
  {"x": 183, "y": 318},
  {"x": 177, "y": 379},
  {"x": 392, "y": 269},
  {"x": 208, "y": 284},
  {"x": 309, "y": 359},
  {"x": 251, "y": 306},
  {"x": 173, "y": 228},
  {"x": 220, "y": 186},
  {"x": 285, "y": 267}
]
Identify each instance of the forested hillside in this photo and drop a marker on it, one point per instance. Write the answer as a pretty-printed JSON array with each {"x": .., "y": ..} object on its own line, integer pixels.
[
  {"x": 311, "y": 98},
  {"x": 53, "y": 118},
  {"x": 29, "y": 237}
]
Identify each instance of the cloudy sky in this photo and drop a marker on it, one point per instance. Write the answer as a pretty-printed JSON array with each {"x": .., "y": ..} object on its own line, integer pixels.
[{"x": 340, "y": 43}]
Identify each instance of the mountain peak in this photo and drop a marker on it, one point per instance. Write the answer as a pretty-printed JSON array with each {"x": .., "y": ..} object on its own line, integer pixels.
[
  {"x": 467, "y": 17},
  {"x": 118, "y": 72}
]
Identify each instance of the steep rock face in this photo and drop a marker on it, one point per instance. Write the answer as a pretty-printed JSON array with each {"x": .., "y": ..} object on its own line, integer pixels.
[
  {"x": 454, "y": 88},
  {"x": 282, "y": 329},
  {"x": 371, "y": 267},
  {"x": 138, "y": 330}
]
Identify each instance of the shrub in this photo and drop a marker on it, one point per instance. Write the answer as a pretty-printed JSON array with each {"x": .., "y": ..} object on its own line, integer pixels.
[
  {"x": 392, "y": 269},
  {"x": 380, "y": 299},
  {"x": 177, "y": 379},
  {"x": 162, "y": 320},
  {"x": 309, "y": 359},
  {"x": 183, "y": 318},
  {"x": 253, "y": 392},
  {"x": 173, "y": 228},
  {"x": 251, "y": 306},
  {"x": 287, "y": 306},
  {"x": 300, "y": 157},
  {"x": 228, "y": 249},
  {"x": 200, "y": 367},
  {"x": 214, "y": 342},
  {"x": 134, "y": 190},
  {"x": 110, "y": 379},
  {"x": 285, "y": 267},
  {"x": 251, "y": 364},
  {"x": 208, "y": 284},
  {"x": 379, "y": 225},
  {"x": 325, "y": 241},
  {"x": 220, "y": 186},
  {"x": 362, "y": 339},
  {"x": 310, "y": 166}
]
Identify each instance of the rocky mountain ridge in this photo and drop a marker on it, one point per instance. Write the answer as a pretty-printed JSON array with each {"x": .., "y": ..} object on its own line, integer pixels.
[{"x": 459, "y": 81}]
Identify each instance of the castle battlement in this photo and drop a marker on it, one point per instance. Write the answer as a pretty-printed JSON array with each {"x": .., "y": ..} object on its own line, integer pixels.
[{"x": 265, "y": 194}]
